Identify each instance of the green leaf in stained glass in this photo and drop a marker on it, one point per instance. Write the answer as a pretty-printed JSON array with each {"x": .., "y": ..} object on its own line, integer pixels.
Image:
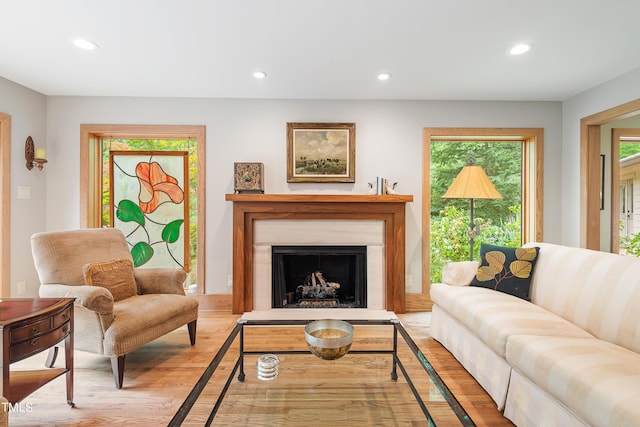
[
  {"x": 171, "y": 231},
  {"x": 129, "y": 211},
  {"x": 141, "y": 253}
]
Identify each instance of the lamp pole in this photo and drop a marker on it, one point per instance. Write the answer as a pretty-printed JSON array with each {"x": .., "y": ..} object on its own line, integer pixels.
[{"x": 472, "y": 232}]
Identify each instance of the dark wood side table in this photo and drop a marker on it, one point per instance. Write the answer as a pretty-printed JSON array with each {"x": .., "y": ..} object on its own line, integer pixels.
[{"x": 30, "y": 326}]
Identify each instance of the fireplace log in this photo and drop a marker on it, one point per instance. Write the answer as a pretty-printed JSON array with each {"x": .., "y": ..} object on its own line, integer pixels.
[{"x": 316, "y": 287}]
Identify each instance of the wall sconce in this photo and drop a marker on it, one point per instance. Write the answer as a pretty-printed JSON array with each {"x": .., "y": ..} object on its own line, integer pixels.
[{"x": 33, "y": 157}]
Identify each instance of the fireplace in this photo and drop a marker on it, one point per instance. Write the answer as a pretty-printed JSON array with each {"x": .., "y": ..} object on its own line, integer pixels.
[
  {"x": 319, "y": 276},
  {"x": 261, "y": 221}
]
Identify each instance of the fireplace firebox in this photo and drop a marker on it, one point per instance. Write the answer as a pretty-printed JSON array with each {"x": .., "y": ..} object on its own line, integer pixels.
[{"x": 319, "y": 276}]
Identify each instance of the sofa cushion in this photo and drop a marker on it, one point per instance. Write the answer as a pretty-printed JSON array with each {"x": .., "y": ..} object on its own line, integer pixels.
[
  {"x": 459, "y": 273},
  {"x": 506, "y": 270},
  {"x": 116, "y": 276},
  {"x": 495, "y": 316},
  {"x": 597, "y": 291},
  {"x": 596, "y": 380}
]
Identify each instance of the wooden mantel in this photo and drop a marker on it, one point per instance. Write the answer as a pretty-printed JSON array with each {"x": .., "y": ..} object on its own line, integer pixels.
[{"x": 250, "y": 207}]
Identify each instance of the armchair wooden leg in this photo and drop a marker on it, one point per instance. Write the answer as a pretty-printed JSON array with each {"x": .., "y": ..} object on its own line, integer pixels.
[
  {"x": 117, "y": 366},
  {"x": 51, "y": 357},
  {"x": 192, "y": 331}
]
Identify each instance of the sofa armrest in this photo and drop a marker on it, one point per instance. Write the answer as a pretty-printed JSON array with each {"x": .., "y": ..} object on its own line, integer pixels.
[
  {"x": 459, "y": 273},
  {"x": 94, "y": 298},
  {"x": 160, "y": 280}
]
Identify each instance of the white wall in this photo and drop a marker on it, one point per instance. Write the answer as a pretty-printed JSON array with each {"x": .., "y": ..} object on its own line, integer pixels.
[
  {"x": 388, "y": 143},
  {"x": 618, "y": 91},
  {"x": 27, "y": 109}
]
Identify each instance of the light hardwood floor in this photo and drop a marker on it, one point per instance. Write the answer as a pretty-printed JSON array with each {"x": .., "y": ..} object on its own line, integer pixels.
[{"x": 160, "y": 375}]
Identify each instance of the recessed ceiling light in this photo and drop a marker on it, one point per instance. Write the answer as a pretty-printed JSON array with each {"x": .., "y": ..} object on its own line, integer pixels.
[
  {"x": 85, "y": 44},
  {"x": 259, "y": 74},
  {"x": 384, "y": 76},
  {"x": 520, "y": 48}
]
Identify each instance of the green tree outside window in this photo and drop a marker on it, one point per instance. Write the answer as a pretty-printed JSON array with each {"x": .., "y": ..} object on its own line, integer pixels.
[{"x": 499, "y": 221}]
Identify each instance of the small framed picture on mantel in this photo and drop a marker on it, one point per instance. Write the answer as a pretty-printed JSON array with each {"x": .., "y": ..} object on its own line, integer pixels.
[
  {"x": 321, "y": 152},
  {"x": 248, "y": 178}
]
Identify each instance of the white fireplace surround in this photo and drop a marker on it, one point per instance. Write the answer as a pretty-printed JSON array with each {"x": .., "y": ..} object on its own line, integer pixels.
[
  {"x": 317, "y": 218},
  {"x": 301, "y": 232}
]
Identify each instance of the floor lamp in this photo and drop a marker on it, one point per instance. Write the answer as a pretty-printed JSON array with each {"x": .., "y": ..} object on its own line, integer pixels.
[{"x": 472, "y": 183}]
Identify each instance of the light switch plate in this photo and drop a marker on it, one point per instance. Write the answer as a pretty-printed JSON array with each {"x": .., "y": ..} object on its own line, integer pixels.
[{"x": 24, "y": 192}]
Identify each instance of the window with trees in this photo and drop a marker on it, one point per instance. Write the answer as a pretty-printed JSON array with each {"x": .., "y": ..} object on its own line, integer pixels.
[
  {"x": 512, "y": 160},
  {"x": 498, "y": 221},
  {"x": 98, "y": 141}
]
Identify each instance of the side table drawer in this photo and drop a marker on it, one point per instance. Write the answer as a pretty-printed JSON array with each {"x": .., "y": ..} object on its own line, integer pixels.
[
  {"x": 62, "y": 317},
  {"x": 30, "y": 330},
  {"x": 39, "y": 343}
]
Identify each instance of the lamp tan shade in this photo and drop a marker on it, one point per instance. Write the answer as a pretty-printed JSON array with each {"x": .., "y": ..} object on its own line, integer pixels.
[{"x": 472, "y": 183}]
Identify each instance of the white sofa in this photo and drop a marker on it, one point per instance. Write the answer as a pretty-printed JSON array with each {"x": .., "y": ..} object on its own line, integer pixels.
[{"x": 567, "y": 358}]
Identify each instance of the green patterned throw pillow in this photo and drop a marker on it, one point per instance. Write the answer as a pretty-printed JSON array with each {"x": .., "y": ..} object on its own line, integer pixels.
[{"x": 507, "y": 270}]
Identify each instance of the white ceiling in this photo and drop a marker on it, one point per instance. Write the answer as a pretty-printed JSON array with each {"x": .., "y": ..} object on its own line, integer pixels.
[{"x": 319, "y": 49}]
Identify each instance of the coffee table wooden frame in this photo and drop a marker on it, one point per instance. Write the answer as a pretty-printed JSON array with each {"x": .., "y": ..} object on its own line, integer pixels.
[{"x": 188, "y": 403}]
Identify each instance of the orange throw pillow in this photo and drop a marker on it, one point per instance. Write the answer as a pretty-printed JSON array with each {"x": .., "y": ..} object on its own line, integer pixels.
[{"x": 116, "y": 276}]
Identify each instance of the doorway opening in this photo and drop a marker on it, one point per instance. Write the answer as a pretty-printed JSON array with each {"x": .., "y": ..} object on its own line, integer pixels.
[
  {"x": 625, "y": 184},
  {"x": 590, "y": 173},
  {"x": 5, "y": 204}
]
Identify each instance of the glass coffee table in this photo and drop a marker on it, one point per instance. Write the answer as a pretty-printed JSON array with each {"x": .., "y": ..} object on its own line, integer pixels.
[{"x": 363, "y": 387}]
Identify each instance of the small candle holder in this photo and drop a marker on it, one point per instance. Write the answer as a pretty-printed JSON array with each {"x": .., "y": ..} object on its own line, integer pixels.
[{"x": 268, "y": 367}]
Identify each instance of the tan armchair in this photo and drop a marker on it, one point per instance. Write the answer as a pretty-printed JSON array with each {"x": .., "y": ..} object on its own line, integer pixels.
[{"x": 102, "y": 325}]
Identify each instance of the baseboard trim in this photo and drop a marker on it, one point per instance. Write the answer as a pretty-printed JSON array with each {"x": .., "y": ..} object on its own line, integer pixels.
[
  {"x": 213, "y": 302},
  {"x": 223, "y": 302}
]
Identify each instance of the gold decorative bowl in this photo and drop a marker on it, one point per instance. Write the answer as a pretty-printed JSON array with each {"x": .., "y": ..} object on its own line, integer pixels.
[{"x": 329, "y": 339}]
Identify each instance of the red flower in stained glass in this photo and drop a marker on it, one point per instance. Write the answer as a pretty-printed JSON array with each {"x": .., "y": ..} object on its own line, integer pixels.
[{"x": 156, "y": 187}]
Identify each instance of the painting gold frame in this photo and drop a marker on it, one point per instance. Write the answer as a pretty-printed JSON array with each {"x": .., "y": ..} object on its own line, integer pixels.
[{"x": 321, "y": 152}]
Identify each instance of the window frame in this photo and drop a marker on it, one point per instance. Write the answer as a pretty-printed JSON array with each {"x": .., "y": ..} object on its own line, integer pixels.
[
  {"x": 91, "y": 166},
  {"x": 532, "y": 192},
  {"x": 5, "y": 204}
]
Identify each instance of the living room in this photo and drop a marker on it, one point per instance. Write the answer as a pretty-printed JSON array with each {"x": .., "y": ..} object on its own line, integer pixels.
[{"x": 250, "y": 126}]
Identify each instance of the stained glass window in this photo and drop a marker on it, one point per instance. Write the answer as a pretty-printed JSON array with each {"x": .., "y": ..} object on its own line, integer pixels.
[{"x": 150, "y": 203}]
